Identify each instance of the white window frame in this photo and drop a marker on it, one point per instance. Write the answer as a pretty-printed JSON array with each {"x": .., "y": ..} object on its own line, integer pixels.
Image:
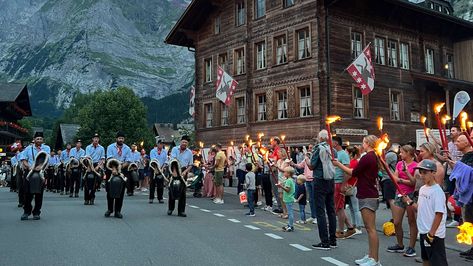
[
  {"x": 241, "y": 110},
  {"x": 224, "y": 115},
  {"x": 208, "y": 115},
  {"x": 261, "y": 108},
  {"x": 358, "y": 100},
  {"x": 282, "y": 105},
  {"x": 404, "y": 61},
  {"x": 379, "y": 50},
  {"x": 240, "y": 13},
  {"x": 240, "y": 61},
  {"x": 450, "y": 71},
  {"x": 305, "y": 101},
  {"x": 260, "y": 8},
  {"x": 303, "y": 44},
  {"x": 208, "y": 70},
  {"x": 395, "y": 105},
  {"x": 280, "y": 49},
  {"x": 223, "y": 63},
  {"x": 261, "y": 55},
  {"x": 429, "y": 61},
  {"x": 392, "y": 53},
  {"x": 217, "y": 25},
  {"x": 356, "y": 45},
  {"x": 288, "y": 3}
]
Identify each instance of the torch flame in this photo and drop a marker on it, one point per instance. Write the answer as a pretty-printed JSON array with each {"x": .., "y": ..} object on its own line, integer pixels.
[
  {"x": 380, "y": 123},
  {"x": 260, "y": 135},
  {"x": 141, "y": 143},
  {"x": 201, "y": 144},
  {"x": 438, "y": 107},
  {"x": 231, "y": 143},
  {"x": 197, "y": 163},
  {"x": 463, "y": 118},
  {"x": 423, "y": 119},
  {"x": 247, "y": 137},
  {"x": 427, "y": 131},
  {"x": 466, "y": 233},
  {"x": 445, "y": 118},
  {"x": 470, "y": 124},
  {"x": 331, "y": 119},
  {"x": 381, "y": 144},
  {"x": 283, "y": 137},
  {"x": 250, "y": 143}
]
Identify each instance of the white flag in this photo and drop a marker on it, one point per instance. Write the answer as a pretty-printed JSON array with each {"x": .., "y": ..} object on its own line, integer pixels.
[
  {"x": 461, "y": 99},
  {"x": 225, "y": 86},
  {"x": 192, "y": 101}
]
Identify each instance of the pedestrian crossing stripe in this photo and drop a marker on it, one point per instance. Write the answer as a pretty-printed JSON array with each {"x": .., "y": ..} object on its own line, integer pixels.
[
  {"x": 204, "y": 210},
  {"x": 300, "y": 247},
  {"x": 234, "y": 220},
  {"x": 334, "y": 261},
  {"x": 219, "y": 215},
  {"x": 252, "y": 227},
  {"x": 273, "y": 236}
]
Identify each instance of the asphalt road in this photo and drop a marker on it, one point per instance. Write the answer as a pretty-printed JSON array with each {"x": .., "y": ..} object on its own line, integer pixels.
[{"x": 70, "y": 233}]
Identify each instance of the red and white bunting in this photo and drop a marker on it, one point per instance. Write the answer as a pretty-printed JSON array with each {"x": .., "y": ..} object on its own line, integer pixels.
[
  {"x": 225, "y": 86},
  {"x": 362, "y": 71},
  {"x": 192, "y": 101}
]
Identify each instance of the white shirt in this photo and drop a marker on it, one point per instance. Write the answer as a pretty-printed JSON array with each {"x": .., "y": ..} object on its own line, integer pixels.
[{"x": 431, "y": 201}]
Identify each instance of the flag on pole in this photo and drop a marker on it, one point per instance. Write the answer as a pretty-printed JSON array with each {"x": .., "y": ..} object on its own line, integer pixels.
[
  {"x": 362, "y": 71},
  {"x": 16, "y": 146},
  {"x": 225, "y": 86},
  {"x": 192, "y": 101},
  {"x": 461, "y": 99}
]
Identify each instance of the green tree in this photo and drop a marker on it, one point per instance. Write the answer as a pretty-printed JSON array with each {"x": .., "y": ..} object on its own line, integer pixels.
[{"x": 108, "y": 112}]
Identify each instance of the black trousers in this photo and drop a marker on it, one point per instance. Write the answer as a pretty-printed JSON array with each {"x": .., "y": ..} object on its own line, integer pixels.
[
  {"x": 267, "y": 190},
  {"x": 21, "y": 187},
  {"x": 181, "y": 206},
  {"x": 28, "y": 197},
  {"x": 158, "y": 185},
  {"x": 13, "y": 182},
  {"x": 49, "y": 178},
  {"x": 325, "y": 209},
  {"x": 130, "y": 184},
  {"x": 60, "y": 179},
  {"x": 89, "y": 189},
  {"x": 241, "y": 179},
  {"x": 117, "y": 203},
  {"x": 74, "y": 185}
]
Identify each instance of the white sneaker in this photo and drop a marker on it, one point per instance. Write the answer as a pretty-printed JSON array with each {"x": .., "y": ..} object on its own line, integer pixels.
[
  {"x": 314, "y": 221},
  {"x": 358, "y": 231},
  {"x": 220, "y": 201},
  {"x": 370, "y": 262},
  {"x": 453, "y": 224},
  {"x": 259, "y": 203},
  {"x": 309, "y": 220},
  {"x": 216, "y": 200},
  {"x": 300, "y": 222},
  {"x": 362, "y": 260}
]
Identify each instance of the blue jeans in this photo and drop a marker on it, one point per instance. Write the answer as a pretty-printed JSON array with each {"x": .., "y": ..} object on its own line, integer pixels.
[
  {"x": 310, "y": 188},
  {"x": 290, "y": 214},
  {"x": 324, "y": 203},
  {"x": 302, "y": 211},
  {"x": 250, "y": 196},
  {"x": 355, "y": 209}
]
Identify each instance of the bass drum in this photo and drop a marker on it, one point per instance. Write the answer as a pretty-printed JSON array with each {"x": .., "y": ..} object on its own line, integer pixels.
[
  {"x": 35, "y": 183},
  {"x": 117, "y": 186}
]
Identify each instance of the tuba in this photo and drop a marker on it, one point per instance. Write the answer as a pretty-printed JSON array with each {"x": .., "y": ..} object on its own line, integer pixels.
[{"x": 36, "y": 176}]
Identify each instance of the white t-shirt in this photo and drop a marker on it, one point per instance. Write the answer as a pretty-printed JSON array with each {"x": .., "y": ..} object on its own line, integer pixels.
[{"x": 431, "y": 200}]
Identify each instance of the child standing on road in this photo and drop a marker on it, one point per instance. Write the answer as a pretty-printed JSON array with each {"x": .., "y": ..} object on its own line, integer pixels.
[
  {"x": 250, "y": 188},
  {"x": 301, "y": 198},
  {"x": 288, "y": 188}
]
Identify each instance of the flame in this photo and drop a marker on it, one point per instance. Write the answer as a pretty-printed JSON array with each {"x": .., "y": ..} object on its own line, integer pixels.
[
  {"x": 258, "y": 143},
  {"x": 197, "y": 163},
  {"x": 463, "y": 118},
  {"x": 466, "y": 233},
  {"x": 445, "y": 118},
  {"x": 260, "y": 135},
  {"x": 380, "y": 123},
  {"x": 381, "y": 144},
  {"x": 427, "y": 131},
  {"x": 247, "y": 137},
  {"x": 231, "y": 143},
  {"x": 283, "y": 137},
  {"x": 423, "y": 119},
  {"x": 250, "y": 143},
  {"x": 141, "y": 143},
  {"x": 331, "y": 119},
  {"x": 201, "y": 144},
  {"x": 469, "y": 124},
  {"x": 438, "y": 107}
]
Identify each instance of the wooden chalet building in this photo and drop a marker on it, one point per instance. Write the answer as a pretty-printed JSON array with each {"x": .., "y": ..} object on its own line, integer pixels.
[{"x": 289, "y": 57}]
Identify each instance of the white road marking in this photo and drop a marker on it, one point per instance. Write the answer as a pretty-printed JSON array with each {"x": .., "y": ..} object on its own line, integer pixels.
[
  {"x": 274, "y": 236},
  {"x": 219, "y": 215},
  {"x": 193, "y": 206},
  {"x": 252, "y": 227},
  {"x": 204, "y": 210},
  {"x": 234, "y": 220},
  {"x": 300, "y": 247},
  {"x": 334, "y": 261}
]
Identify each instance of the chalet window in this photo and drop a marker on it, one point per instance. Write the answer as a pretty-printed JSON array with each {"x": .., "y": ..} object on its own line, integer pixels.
[
  {"x": 240, "y": 61},
  {"x": 303, "y": 43},
  {"x": 224, "y": 115},
  {"x": 261, "y": 55},
  {"x": 415, "y": 116},
  {"x": 281, "y": 49},
  {"x": 282, "y": 105},
  {"x": 260, "y": 8},
  {"x": 217, "y": 25},
  {"x": 241, "y": 110},
  {"x": 305, "y": 102},
  {"x": 379, "y": 51},
  {"x": 222, "y": 61},
  {"x": 358, "y": 104},
  {"x": 262, "y": 108},
  {"x": 404, "y": 56},
  {"x": 240, "y": 14},
  {"x": 208, "y": 70},
  {"x": 449, "y": 66},
  {"x": 395, "y": 105},
  {"x": 288, "y": 3},
  {"x": 429, "y": 61},
  {"x": 208, "y": 115},
  {"x": 392, "y": 53},
  {"x": 356, "y": 44}
]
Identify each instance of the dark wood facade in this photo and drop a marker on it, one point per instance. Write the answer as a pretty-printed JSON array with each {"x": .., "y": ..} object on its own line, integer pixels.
[{"x": 210, "y": 27}]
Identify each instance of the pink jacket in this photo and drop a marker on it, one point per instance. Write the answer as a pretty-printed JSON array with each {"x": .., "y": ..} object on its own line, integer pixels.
[{"x": 307, "y": 171}]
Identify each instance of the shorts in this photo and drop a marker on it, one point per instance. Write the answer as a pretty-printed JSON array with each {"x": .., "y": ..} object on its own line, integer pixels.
[
  {"x": 389, "y": 190},
  {"x": 369, "y": 203},
  {"x": 449, "y": 186},
  {"x": 218, "y": 178},
  {"x": 435, "y": 252},
  {"x": 401, "y": 204},
  {"x": 141, "y": 175},
  {"x": 338, "y": 197},
  {"x": 259, "y": 180}
]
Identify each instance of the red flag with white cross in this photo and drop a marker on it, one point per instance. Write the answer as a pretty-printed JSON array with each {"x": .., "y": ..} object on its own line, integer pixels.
[
  {"x": 225, "y": 86},
  {"x": 362, "y": 71}
]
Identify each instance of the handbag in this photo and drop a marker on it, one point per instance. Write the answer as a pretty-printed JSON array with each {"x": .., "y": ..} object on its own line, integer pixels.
[
  {"x": 350, "y": 188},
  {"x": 243, "y": 198}
]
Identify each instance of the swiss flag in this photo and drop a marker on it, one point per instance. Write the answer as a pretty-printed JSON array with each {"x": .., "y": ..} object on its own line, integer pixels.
[
  {"x": 362, "y": 71},
  {"x": 192, "y": 101},
  {"x": 225, "y": 86}
]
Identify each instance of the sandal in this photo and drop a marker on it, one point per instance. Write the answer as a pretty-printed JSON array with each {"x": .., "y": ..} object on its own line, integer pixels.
[{"x": 284, "y": 216}]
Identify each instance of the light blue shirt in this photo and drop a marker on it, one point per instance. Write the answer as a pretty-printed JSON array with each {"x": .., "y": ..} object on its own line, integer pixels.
[
  {"x": 161, "y": 157},
  {"x": 135, "y": 156},
  {"x": 185, "y": 157},
  {"x": 96, "y": 153},
  {"x": 54, "y": 160},
  {"x": 30, "y": 153},
  {"x": 15, "y": 159},
  {"x": 65, "y": 156},
  {"x": 77, "y": 154},
  {"x": 112, "y": 152},
  {"x": 343, "y": 158}
]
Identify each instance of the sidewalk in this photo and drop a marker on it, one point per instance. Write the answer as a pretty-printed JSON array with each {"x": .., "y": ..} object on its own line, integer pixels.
[{"x": 383, "y": 215}]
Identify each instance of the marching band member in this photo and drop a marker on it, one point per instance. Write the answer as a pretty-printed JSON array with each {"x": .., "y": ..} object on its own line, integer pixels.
[
  {"x": 15, "y": 160},
  {"x": 181, "y": 156},
  {"x": 159, "y": 154},
  {"x": 97, "y": 153},
  {"x": 133, "y": 176},
  {"x": 76, "y": 153},
  {"x": 64, "y": 181}
]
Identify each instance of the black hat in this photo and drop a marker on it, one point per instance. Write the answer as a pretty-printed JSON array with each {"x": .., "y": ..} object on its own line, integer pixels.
[
  {"x": 186, "y": 138},
  {"x": 159, "y": 141},
  {"x": 120, "y": 134},
  {"x": 79, "y": 140},
  {"x": 134, "y": 144},
  {"x": 38, "y": 134},
  {"x": 96, "y": 135}
]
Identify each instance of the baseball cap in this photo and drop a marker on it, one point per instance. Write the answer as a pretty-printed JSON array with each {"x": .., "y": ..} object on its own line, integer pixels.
[{"x": 427, "y": 164}]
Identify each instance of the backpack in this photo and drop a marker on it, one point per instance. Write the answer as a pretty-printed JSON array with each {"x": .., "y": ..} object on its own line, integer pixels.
[{"x": 326, "y": 159}]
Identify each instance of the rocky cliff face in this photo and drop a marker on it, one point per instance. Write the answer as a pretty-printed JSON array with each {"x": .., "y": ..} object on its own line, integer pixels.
[
  {"x": 63, "y": 46},
  {"x": 463, "y": 9}
]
